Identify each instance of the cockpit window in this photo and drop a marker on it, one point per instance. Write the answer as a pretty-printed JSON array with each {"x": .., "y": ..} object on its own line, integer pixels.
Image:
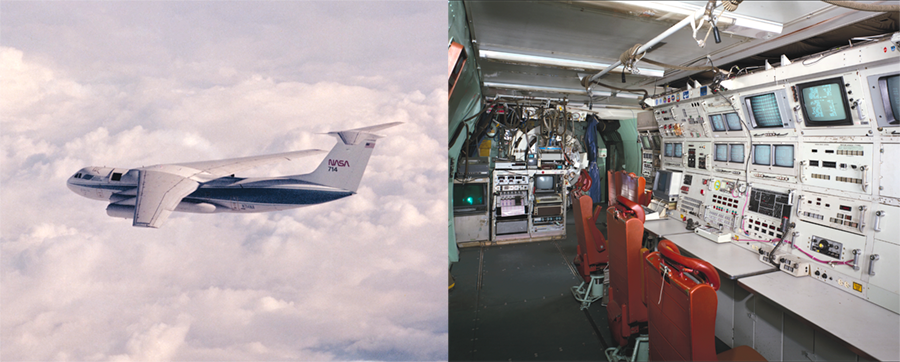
[
  {"x": 78, "y": 175},
  {"x": 116, "y": 176},
  {"x": 87, "y": 177}
]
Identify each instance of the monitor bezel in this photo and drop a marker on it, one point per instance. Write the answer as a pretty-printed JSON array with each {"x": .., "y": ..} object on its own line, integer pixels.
[
  {"x": 728, "y": 163},
  {"x": 712, "y": 124},
  {"x": 782, "y": 103},
  {"x": 848, "y": 116},
  {"x": 881, "y": 109},
  {"x": 771, "y": 168},
  {"x": 472, "y": 208},
  {"x": 553, "y": 188},
  {"x": 725, "y": 117},
  {"x": 715, "y": 152},
  {"x": 649, "y": 140}
]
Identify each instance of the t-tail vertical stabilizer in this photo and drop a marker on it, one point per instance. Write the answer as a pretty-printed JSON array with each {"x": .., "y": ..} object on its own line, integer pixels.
[{"x": 344, "y": 166}]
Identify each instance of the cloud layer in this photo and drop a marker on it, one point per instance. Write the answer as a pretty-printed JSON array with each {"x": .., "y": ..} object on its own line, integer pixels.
[{"x": 109, "y": 84}]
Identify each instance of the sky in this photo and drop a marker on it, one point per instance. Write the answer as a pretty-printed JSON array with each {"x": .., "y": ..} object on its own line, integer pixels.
[{"x": 129, "y": 84}]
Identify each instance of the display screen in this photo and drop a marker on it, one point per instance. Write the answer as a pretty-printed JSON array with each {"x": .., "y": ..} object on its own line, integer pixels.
[
  {"x": 544, "y": 183},
  {"x": 670, "y": 150},
  {"x": 661, "y": 185},
  {"x": 824, "y": 102},
  {"x": 678, "y": 150},
  {"x": 646, "y": 143},
  {"x": 765, "y": 110},
  {"x": 656, "y": 141},
  {"x": 721, "y": 153},
  {"x": 762, "y": 155},
  {"x": 468, "y": 195},
  {"x": 737, "y": 153},
  {"x": 890, "y": 94},
  {"x": 784, "y": 155},
  {"x": 733, "y": 121},
  {"x": 718, "y": 123}
]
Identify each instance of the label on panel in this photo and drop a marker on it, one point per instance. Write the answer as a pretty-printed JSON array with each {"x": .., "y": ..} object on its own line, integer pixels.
[
  {"x": 839, "y": 166},
  {"x": 836, "y": 212}
]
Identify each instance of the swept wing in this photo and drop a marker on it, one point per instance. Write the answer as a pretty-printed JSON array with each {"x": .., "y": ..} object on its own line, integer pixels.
[{"x": 161, "y": 188}]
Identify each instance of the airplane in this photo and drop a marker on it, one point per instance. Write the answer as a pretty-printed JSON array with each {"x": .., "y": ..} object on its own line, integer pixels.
[{"x": 148, "y": 195}]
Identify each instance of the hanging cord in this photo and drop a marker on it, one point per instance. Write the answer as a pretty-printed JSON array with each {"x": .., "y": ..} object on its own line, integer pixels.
[{"x": 855, "y": 5}]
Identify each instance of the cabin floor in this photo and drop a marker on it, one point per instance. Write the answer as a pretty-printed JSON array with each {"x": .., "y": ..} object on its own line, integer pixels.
[{"x": 514, "y": 302}]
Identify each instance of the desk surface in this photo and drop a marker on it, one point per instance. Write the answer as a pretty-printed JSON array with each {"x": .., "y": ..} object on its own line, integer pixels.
[
  {"x": 865, "y": 327},
  {"x": 730, "y": 260},
  {"x": 666, "y": 227}
]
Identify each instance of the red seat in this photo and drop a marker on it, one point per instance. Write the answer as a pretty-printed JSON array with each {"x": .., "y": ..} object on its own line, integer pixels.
[
  {"x": 682, "y": 312},
  {"x": 625, "y": 311},
  {"x": 592, "y": 255}
]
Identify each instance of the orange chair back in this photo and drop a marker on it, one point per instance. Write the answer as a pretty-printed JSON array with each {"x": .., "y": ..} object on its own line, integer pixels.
[
  {"x": 591, "y": 254},
  {"x": 681, "y": 312},
  {"x": 625, "y": 310}
]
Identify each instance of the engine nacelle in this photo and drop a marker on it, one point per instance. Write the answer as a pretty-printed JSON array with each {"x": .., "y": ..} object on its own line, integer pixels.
[
  {"x": 127, "y": 211},
  {"x": 196, "y": 207},
  {"x": 123, "y": 211}
]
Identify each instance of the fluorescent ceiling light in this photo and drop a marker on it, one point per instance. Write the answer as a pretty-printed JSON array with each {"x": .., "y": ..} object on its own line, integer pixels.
[
  {"x": 628, "y": 95},
  {"x": 559, "y": 62},
  {"x": 727, "y": 18},
  {"x": 535, "y": 88},
  {"x": 667, "y": 6}
]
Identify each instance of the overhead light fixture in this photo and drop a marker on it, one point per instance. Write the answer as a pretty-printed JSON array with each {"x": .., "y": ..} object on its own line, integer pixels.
[
  {"x": 729, "y": 21},
  {"x": 537, "y": 88},
  {"x": 628, "y": 95},
  {"x": 559, "y": 62},
  {"x": 545, "y": 89}
]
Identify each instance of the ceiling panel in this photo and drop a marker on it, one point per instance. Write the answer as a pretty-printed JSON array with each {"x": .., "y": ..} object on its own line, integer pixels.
[{"x": 601, "y": 31}]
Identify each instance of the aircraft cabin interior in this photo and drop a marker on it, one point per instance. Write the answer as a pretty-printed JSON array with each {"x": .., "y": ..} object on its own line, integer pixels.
[{"x": 674, "y": 180}]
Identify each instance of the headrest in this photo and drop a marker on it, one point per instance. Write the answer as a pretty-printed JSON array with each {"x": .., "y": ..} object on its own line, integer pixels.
[{"x": 700, "y": 269}]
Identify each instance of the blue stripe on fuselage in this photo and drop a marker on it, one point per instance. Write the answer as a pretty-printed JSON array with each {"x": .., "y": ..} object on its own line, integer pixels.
[{"x": 267, "y": 195}]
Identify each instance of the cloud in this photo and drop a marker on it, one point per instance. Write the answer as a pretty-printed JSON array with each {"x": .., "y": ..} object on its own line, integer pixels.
[{"x": 358, "y": 278}]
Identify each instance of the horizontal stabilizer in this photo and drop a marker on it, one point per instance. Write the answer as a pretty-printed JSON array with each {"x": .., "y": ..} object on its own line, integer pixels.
[
  {"x": 356, "y": 135},
  {"x": 344, "y": 166}
]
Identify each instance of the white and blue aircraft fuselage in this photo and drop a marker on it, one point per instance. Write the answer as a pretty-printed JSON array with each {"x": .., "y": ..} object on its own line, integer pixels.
[{"x": 149, "y": 194}]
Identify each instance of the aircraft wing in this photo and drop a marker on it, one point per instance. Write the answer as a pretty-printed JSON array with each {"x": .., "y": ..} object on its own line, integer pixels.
[
  {"x": 158, "y": 193},
  {"x": 234, "y": 165}
]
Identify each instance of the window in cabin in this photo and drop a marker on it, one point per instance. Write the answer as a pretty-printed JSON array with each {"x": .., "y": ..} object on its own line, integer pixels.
[{"x": 116, "y": 176}]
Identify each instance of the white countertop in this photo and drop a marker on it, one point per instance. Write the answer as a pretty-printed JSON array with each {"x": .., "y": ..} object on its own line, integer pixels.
[
  {"x": 730, "y": 260},
  {"x": 864, "y": 327}
]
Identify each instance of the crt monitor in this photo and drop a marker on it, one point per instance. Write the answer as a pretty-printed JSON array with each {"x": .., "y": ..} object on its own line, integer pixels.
[
  {"x": 733, "y": 121},
  {"x": 890, "y": 96},
  {"x": 784, "y": 156},
  {"x": 721, "y": 153},
  {"x": 544, "y": 183},
  {"x": 666, "y": 185},
  {"x": 718, "y": 122},
  {"x": 765, "y": 110},
  {"x": 736, "y": 154},
  {"x": 656, "y": 141},
  {"x": 469, "y": 197},
  {"x": 825, "y": 103}
]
